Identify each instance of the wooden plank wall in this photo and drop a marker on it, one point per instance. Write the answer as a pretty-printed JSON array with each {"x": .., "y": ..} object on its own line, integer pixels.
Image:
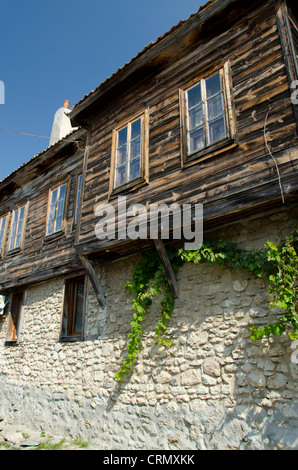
[{"x": 260, "y": 86}]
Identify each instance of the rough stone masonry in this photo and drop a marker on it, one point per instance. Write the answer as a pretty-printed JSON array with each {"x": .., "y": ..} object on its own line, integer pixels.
[{"x": 212, "y": 389}]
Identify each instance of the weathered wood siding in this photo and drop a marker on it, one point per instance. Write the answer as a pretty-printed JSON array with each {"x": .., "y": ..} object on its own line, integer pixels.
[
  {"x": 261, "y": 95},
  {"x": 41, "y": 258}
]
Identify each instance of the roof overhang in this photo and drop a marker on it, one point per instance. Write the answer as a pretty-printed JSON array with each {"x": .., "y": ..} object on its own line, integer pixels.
[
  {"x": 172, "y": 46},
  {"x": 40, "y": 163}
]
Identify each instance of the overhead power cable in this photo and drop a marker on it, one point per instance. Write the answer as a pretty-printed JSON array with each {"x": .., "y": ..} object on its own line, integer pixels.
[
  {"x": 25, "y": 133},
  {"x": 42, "y": 136}
]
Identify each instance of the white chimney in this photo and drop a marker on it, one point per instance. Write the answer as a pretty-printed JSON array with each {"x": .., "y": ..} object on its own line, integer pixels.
[
  {"x": 61, "y": 125},
  {"x": 2, "y": 304}
]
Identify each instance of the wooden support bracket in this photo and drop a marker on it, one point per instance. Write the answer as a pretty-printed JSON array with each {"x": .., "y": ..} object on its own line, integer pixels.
[
  {"x": 94, "y": 281},
  {"x": 167, "y": 266}
]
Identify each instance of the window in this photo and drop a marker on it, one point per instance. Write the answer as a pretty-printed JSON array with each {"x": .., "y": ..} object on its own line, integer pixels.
[
  {"x": 79, "y": 185},
  {"x": 74, "y": 308},
  {"x": 56, "y": 210},
  {"x": 2, "y": 232},
  {"x": 206, "y": 116},
  {"x": 15, "y": 315},
  {"x": 130, "y": 153},
  {"x": 17, "y": 228}
]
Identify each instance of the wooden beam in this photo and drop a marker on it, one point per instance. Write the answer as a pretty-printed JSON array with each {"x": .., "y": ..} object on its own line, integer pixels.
[
  {"x": 167, "y": 266},
  {"x": 94, "y": 281}
]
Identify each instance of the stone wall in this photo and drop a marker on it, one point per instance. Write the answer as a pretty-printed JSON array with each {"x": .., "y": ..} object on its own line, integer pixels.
[{"x": 212, "y": 389}]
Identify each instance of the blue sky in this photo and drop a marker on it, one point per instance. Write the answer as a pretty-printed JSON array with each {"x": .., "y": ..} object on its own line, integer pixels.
[{"x": 62, "y": 49}]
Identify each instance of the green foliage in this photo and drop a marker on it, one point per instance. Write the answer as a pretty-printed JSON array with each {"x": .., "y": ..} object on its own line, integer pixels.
[
  {"x": 278, "y": 264},
  {"x": 282, "y": 277}
]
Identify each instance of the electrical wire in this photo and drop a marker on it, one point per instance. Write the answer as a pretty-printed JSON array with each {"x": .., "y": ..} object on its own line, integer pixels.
[
  {"x": 25, "y": 133},
  {"x": 41, "y": 136}
]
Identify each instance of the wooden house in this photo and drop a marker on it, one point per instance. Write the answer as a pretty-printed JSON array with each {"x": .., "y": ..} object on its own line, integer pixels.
[{"x": 206, "y": 114}]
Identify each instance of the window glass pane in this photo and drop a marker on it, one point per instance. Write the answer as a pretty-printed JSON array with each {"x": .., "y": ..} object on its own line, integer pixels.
[
  {"x": 217, "y": 130},
  {"x": 59, "y": 220},
  {"x": 215, "y": 106},
  {"x": 54, "y": 196},
  {"x": 135, "y": 148},
  {"x": 194, "y": 96},
  {"x": 122, "y": 137},
  {"x": 213, "y": 85},
  {"x": 60, "y": 203},
  {"x": 196, "y": 140},
  {"x": 13, "y": 230},
  {"x": 51, "y": 219},
  {"x": 136, "y": 129},
  {"x": 121, "y": 155},
  {"x": 17, "y": 243},
  {"x": 195, "y": 117},
  {"x": 62, "y": 193},
  {"x": 120, "y": 175},
  {"x": 2, "y": 228},
  {"x": 134, "y": 169}
]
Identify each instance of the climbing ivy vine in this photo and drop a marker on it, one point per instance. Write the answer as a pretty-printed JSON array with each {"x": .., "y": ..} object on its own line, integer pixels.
[{"x": 278, "y": 264}]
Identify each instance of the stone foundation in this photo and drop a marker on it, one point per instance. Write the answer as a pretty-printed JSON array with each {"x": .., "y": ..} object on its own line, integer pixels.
[{"x": 212, "y": 389}]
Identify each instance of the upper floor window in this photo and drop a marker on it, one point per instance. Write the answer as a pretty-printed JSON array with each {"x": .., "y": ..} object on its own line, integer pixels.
[
  {"x": 207, "y": 116},
  {"x": 74, "y": 308},
  {"x": 56, "y": 210},
  {"x": 17, "y": 228},
  {"x": 2, "y": 231},
  {"x": 130, "y": 153}
]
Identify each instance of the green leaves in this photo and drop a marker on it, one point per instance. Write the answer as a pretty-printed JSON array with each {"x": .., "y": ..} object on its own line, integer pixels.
[
  {"x": 278, "y": 264},
  {"x": 282, "y": 275}
]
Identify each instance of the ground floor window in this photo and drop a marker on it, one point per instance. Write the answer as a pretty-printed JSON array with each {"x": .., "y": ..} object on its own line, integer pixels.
[
  {"x": 15, "y": 308},
  {"x": 74, "y": 308}
]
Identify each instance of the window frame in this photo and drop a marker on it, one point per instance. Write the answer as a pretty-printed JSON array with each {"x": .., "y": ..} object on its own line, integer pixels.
[
  {"x": 219, "y": 146},
  {"x": 61, "y": 231},
  {"x": 18, "y": 207},
  {"x": 69, "y": 304},
  {"x": 15, "y": 319},
  {"x": 143, "y": 178}
]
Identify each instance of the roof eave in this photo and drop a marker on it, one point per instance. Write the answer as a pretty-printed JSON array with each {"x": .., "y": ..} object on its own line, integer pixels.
[{"x": 80, "y": 112}]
